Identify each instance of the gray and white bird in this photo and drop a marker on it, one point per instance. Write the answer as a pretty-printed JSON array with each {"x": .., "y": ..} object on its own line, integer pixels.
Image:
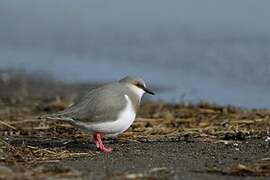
[{"x": 107, "y": 110}]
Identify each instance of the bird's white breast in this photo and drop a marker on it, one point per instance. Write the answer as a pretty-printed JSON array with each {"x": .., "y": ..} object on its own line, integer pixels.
[{"x": 123, "y": 122}]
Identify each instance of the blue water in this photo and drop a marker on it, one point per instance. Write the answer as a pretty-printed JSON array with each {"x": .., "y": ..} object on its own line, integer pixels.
[{"x": 214, "y": 52}]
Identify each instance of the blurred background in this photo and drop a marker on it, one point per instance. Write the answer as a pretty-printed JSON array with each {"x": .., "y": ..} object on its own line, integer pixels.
[{"x": 215, "y": 51}]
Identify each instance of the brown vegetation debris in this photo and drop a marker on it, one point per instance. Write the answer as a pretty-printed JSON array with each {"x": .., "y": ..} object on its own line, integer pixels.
[{"x": 256, "y": 169}]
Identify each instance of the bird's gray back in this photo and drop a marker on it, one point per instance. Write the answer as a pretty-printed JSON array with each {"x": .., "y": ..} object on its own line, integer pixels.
[{"x": 102, "y": 104}]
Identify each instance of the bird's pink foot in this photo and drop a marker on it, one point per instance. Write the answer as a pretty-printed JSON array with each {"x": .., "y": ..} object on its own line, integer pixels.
[
  {"x": 99, "y": 144},
  {"x": 106, "y": 150}
]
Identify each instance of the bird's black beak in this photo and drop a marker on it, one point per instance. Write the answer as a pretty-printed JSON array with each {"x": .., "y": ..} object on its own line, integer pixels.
[{"x": 149, "y": 91}]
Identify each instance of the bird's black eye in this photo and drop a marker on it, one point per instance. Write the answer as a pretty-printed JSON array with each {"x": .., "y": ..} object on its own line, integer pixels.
[{"x": 139, "y": 85}]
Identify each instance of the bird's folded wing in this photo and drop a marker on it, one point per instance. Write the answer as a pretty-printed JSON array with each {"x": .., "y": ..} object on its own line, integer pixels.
[{"x": 99, "y": 105}]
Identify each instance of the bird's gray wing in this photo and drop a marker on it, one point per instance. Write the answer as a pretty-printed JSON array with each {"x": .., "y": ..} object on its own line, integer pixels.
[{"x": 99, "y": 105}]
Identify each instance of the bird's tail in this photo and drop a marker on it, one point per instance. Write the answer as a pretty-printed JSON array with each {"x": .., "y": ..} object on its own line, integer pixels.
[{"x": 59, "y": 118}]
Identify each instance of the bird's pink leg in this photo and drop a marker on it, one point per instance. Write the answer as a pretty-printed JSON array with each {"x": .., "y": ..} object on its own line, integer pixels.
[
  {"x": 100, "y": 145},
  {"x": 96, "y": 141}
]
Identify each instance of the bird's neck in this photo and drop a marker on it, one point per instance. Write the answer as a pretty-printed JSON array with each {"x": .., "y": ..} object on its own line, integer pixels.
[
  {"x": 135, "y": 94},
  {"x": 138, "y": 91}
]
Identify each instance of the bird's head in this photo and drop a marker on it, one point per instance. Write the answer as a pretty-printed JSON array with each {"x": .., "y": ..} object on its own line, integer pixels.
[{"x": 137, "y": 83}]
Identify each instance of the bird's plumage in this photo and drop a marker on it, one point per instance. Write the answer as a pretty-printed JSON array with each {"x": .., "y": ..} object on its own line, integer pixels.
[
  {"x": 101, "y": 104},
  {"x": 124, "y": 120}
]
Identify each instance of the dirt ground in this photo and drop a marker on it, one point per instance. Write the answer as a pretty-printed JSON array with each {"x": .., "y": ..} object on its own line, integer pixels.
[
  {"x": 167, "y": 141},
  {"x": 156, "y": 160}
]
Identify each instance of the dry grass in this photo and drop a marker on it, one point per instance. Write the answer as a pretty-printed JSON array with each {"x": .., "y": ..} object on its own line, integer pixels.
[
  {"x": 31, "y": 154},
  {"x": 156, "y": 122},
  {"x": 203, "y": 121}
]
